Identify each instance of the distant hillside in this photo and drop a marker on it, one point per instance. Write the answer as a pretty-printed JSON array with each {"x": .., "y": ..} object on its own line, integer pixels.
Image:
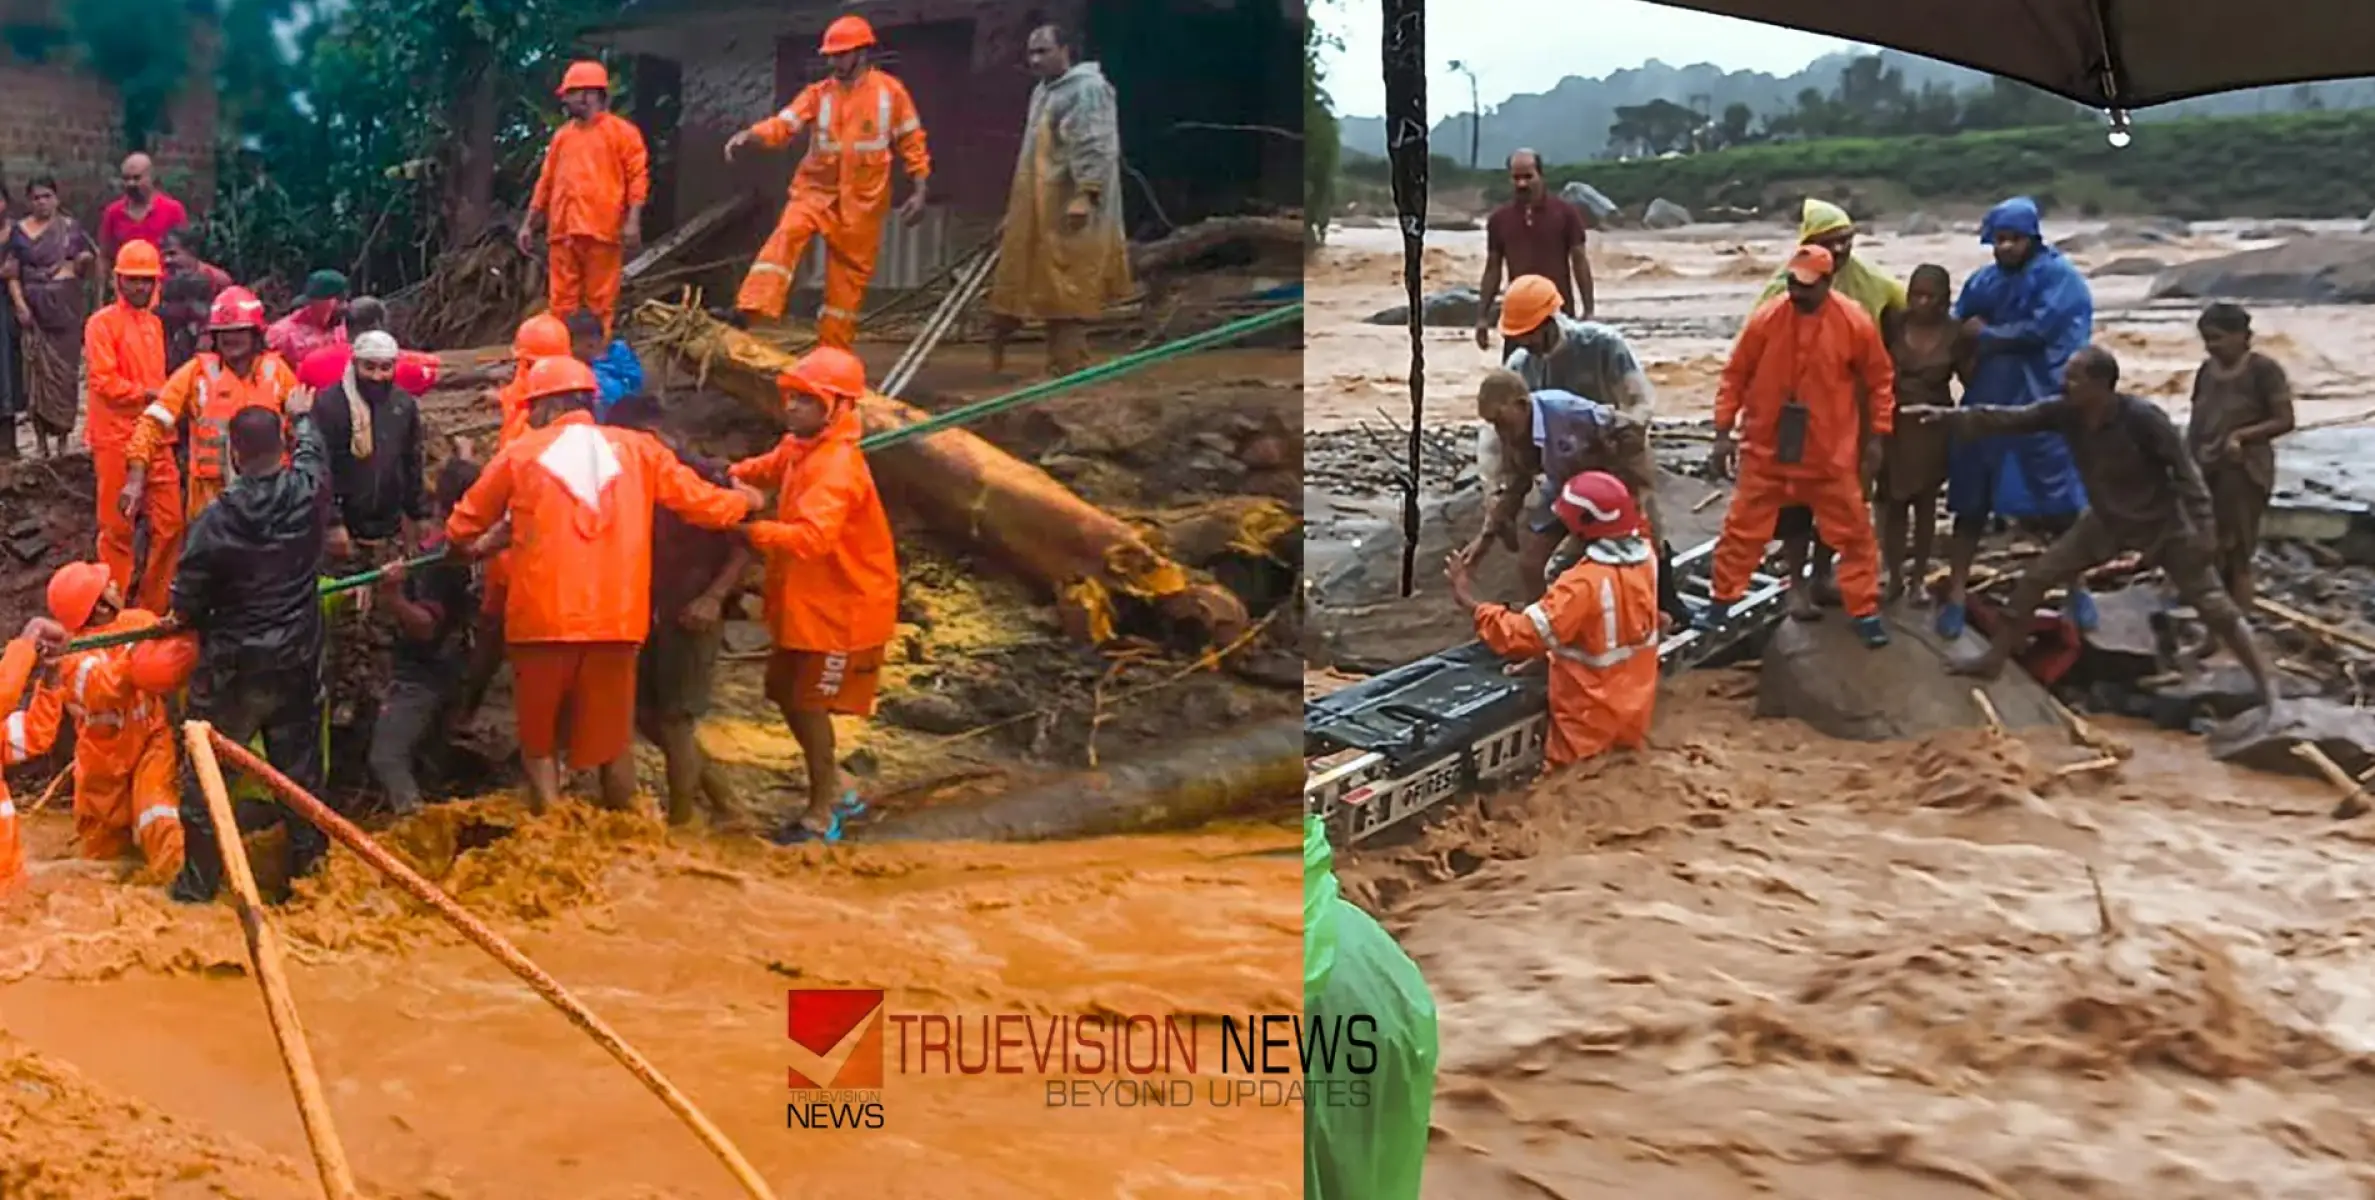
[
  {"x": 2309, "y": 164},
  {"x": 1570, "y": 122}
]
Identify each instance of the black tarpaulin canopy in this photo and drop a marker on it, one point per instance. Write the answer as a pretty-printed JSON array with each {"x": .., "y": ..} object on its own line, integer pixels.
[{"x": 2106, "y": 54}]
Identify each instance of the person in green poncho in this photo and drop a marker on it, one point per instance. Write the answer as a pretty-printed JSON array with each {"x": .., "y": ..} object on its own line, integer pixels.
[
  {"x": 1822, "y": 223},
  {"x": 1352, "y": 967}
]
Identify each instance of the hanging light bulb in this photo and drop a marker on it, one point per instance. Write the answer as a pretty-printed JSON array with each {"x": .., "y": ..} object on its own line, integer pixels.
[{"x": 2119, "y": 136}]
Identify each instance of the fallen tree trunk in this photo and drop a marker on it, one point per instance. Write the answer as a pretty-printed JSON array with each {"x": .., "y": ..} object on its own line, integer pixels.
[
  {"x": 1104, "y": 575},
  {"x": 1255, "y": 771},
  {"x": 1273, "y": 236}
]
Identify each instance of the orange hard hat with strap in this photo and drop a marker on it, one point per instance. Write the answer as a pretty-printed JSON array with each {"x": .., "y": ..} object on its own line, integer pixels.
[
  {"x": 541, "y": 336},
  {"x": 138, "y": 259},
  {"x": 828, "y": 373},
  {"x": 74, "y": 590},
  {"x": 846, "y": 34},
  {"x": 559, "y": 375},
  {"x": 585, "y": 75},
  {"x": 1530, "y": 300}
]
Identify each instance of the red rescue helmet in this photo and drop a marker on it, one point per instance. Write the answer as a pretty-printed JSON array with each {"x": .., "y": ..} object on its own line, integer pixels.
[
  {"x": 236, "y": 308},
  {"x": 1596, "y": 504},
  {"x": 846, "y": 34},
  {"x": 139, "y": 260},
  {"x": 584, "y": 75},
  {"x": 162, "y": 666},
  {"x": 559, "y": 375},
  {"x": 828, "y": 373},
  {"x": 74, "y": 590},
  {"x": 541, "y": 336}
]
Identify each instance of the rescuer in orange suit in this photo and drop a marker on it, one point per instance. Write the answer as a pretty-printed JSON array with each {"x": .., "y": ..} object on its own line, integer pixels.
[
  {"x": 580, "y": 496},
  {"x": 42, "y": 639},
  {"x": 1791, "y": 389},
  {"x": 590, "y": 197},
  {"x": 124, "y": 353},
  {"x": 541, "y": 336},
  {"x": 832, "y": 575},
  {"x": 125, "y": 789},
  {"x": 842, "y": 188},
  {"x": 1598, "y": 624},
  {"x": 210, "y": 389}
]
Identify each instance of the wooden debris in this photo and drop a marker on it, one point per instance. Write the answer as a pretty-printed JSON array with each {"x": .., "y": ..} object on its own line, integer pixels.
[
  {"x": 2105, "y": 763},
  {"x": 687, "y": 233},
  {"x": 2086, "y": 734},
  {"x": 1987, "y": 709},
  {"x": 1273, "y": 235},
  {"x": 2330, "y": 632},
  {"x": 2354, "y": 797}
]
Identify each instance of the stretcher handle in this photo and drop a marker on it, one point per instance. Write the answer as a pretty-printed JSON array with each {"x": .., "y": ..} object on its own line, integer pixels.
[{"x": 327, "y": 587}]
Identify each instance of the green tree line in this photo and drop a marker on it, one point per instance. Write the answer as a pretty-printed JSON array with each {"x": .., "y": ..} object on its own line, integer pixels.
[{"x": 1871, "y": 99}]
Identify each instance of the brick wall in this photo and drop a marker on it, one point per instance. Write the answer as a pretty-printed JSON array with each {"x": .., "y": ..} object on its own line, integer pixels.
[{"x": 58, "y": 121}]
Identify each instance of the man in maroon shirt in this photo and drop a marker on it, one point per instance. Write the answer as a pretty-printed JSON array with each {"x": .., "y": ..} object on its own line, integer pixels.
[
  {"x": 1534, "y": 234},
  {"x": 144, "y": 212}
]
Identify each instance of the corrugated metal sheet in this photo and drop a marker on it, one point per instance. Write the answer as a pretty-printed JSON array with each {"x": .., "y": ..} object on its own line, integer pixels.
[{"x": 909, "y": 257}]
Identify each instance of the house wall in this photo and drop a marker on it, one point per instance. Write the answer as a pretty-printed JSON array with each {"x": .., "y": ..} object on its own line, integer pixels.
[{"x": 59, "y": 121}]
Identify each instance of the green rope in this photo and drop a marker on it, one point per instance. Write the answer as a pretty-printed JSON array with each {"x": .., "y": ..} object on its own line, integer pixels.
[{"x": 954, "y": 418}]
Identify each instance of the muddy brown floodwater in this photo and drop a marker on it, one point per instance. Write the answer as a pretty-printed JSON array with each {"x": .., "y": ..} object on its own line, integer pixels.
[
  {"x": 135, "y": 1059},
  {"x": 1752, "y": 961}
]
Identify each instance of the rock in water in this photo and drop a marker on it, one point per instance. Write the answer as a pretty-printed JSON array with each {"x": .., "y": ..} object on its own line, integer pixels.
[
  {"x": 1665, "y": 214},
  {"x": 1920, "y": 224},
  {"x": 1819, "y": 673},
  {"x": 2368, "y": 225},
  {"x": 2313, "y": 270},
  {"x": 1451, "y": 308},
  {"x": 1588, "y": 198},
  {"x": 2265, "y": 741},
  {"x": 2133, "y": 265}
]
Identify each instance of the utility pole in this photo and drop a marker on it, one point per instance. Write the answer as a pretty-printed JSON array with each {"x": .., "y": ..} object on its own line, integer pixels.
[{"x": 1475, "y": 111}]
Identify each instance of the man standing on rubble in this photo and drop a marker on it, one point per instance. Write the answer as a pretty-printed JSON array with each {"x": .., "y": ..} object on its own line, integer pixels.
[
  {"x": 1063, "y": 258},
  {"x": 580, "y": 498},
  {"x": 1535, "y": 234},
  {"x": 1598, "y": 625},
  {"x": 842, "y": 187},
  {"x": 239, "y": 373},
  {"x": 2144, "y": 494},
  {"x": 589, "y": 197},
  {"x": 2026, "y": 313},
  {"x": 248, "y": 585},
  {"x": 124, "y": 758},
  {"x": 1811, "y": 391},
  {"x": 124, "y": 355},
  {"x": 832, "y": 575}
]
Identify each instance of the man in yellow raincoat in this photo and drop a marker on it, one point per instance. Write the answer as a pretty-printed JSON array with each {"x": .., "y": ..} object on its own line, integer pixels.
[
  {"x": 1822, "y": 223},
  {"x": 1063, "y": 258}
]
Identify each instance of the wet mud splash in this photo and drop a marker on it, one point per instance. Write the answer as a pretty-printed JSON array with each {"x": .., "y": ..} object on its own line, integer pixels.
[
  {"x": 135, "y": 1059},
  {"x": 1759, "y": 962}
]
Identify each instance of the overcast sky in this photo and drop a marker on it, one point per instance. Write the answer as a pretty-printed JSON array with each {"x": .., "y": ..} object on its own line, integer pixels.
[{"x": 1529, "y": 45}]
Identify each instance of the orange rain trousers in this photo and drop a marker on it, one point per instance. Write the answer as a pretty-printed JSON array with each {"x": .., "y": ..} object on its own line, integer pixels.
[
  {"x": 1841, "y": 520},
  {"x": 124, "y": 349},
  {"x": 162, "y": 505},
  {"x": 16, "y": 669},
  {"x": 850, "y": 252},
  {"x": 1599, "y": 626},
  {"x": 584, "y": 272}
]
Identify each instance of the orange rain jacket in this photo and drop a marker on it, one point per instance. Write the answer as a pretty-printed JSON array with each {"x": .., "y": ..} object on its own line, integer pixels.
[
  {"x": 125, "y": 349},
  {"x": 849, "y": 157},
  {"x": 594, "y": 172},
  {"x": 16, "y": 670},
  {"x": 832, "y": 572},
  {"x": 1819, "y": 358},
  {"x": 125, "y": 786},
  {"x": 210, "y": 394},
  {"x": 1599, "y": 625},
  {"x": 580, "y": 498}
]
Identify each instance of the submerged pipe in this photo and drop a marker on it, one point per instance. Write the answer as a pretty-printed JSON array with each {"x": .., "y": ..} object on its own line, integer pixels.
[{"x": 1258, "y": 770}]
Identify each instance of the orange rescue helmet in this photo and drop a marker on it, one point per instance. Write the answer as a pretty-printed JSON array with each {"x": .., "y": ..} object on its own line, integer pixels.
[
  {"x": 584, "y": 75},
  {"x": 74, "y": 590},
  {"x": 828, "y": 373},
  {"x": 846, "y": 34},
  {"x": 162, "y": 666},
  {"x": 541, "y": 336},
  {"x": 1530, "y": 300},
  {"x": 559, "y": 375},
  {"x": 1596, "y": 504},
  {"x": 139, "y": 260},
  {"x": 236, "y": 308}
]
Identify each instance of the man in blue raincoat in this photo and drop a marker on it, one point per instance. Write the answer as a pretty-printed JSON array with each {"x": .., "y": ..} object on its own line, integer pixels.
[
  {"x": 1374, "y": 1148},
  {"x": 2028, "y": 312}
]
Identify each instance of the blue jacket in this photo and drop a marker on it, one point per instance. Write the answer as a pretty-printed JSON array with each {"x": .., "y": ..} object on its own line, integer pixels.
[
  {"x": 2035, "y": 319},
  {"x": 619, "y": 373}
]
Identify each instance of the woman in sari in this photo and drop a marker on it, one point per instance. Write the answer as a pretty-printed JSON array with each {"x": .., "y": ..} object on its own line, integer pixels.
[
  {"x": 47, "y": 261},
  {"x": 12, "y": 399}
]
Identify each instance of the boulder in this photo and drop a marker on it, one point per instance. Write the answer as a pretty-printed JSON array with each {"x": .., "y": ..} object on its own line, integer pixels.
[
  {"x": 2130, "y": 265},
  {"x": 1819, "y": 673},
  {"x": 2149, "y": 231},
  {"x": 2264, "y": 741},
  {"x": 2314, "y": 270},
  {"x": 1665, "y": 214},
  {"x": 1588, "y": 198},
  {"x": 1451, "y": 308},
  {"x": 1453, "y": 223},
  {"x": 2368, "y": 225},
  {"x": 2274, "y": 231},
  {"x": 1921, "y": 224}
]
